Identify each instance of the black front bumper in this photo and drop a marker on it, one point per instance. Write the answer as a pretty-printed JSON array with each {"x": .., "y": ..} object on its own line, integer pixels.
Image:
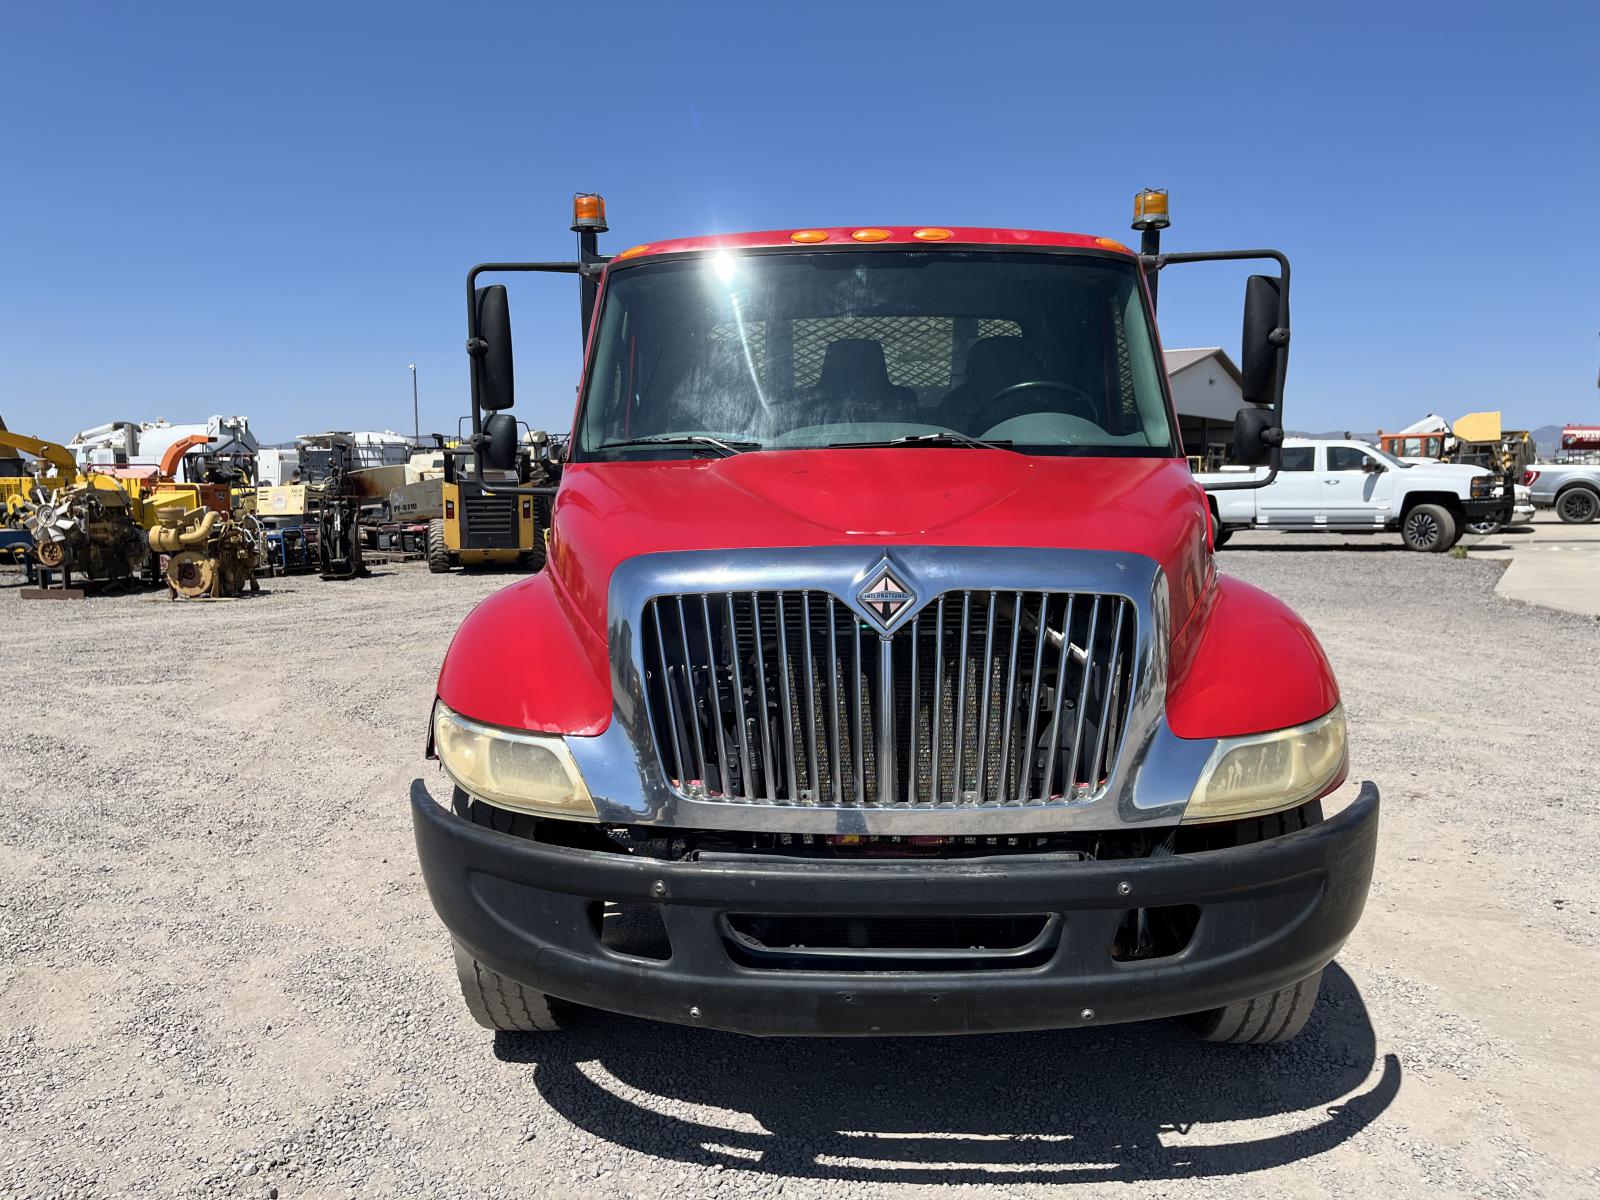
[
  {"x": 1271, "y": 913},
  {"x": 1490, "y": 508}
]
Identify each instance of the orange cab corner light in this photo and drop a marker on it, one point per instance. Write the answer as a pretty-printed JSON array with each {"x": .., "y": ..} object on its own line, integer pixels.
[
  {"x": 871, "y": 235},
  {"x": 633, "y": 251},
  {"x": 809, "y": 235},
  {"x": 932, "y": 233},
  {"x": 1112, "y": 244},
  {"x": 588, "y": 212}
]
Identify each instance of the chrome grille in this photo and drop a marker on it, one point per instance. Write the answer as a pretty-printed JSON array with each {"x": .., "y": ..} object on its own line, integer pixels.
[{"x": 983, "y": 698}]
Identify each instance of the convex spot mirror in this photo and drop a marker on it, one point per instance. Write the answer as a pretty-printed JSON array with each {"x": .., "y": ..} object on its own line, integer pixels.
[
  {"x": 500, "y": 442},
  {"x": 491, "y": 350},
  {"x": 1254, "y": 435}
]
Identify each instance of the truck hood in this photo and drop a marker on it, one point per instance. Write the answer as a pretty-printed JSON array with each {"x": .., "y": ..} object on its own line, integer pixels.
[
  {"x": 876, "y": 499},
  {"x": 1453, "y": 472}
]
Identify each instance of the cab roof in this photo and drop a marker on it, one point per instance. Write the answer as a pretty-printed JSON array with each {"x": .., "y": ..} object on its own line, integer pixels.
[{"x": 931, "y": 237}]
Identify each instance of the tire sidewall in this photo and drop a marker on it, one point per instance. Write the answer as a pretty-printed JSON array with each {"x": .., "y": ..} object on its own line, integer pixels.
[
  {"x": 1587, "y": 499},
  {"x": 1443, "y": 523}
]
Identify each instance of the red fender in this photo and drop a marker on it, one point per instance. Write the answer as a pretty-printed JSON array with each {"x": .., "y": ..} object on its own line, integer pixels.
[
  {"x": 1245, "y": 663},
  {"x": 520, "y": 660}
]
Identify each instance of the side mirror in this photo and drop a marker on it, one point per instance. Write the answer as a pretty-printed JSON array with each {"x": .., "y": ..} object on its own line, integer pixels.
[
  {"x": 500, "y": 442},
  {"x": 1258, "y": 359},
  {"x": 555, "y": 452},
  {"x": 491, "y": 349},
  {"x": 1254, "y": 436},
  {"x": 1373, "y": 467}
]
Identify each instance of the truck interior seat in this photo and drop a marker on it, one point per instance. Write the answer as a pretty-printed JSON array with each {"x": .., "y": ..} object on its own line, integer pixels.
[
  {"x": 994, "y": 364},
  {"x": 854, "y": 373}
]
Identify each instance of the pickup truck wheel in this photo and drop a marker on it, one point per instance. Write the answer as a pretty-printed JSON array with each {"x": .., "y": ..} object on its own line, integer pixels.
[
  {"x": 498, "y": 1003},
  {"x": 438, "y": 552},
  {"x": 1483, "y": 528},
  {"x": 1428, "y": 528},
  {"x": 1578, "y": 506},
  {"x": 1220, "y": 537},
  {"x": 1261, "y": 1020}
]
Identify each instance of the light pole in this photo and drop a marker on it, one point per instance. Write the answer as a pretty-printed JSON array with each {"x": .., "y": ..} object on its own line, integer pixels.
[{"x": 416, "y": 419}]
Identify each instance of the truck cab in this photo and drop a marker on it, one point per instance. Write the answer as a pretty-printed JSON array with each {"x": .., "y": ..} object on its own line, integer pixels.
[{"x": 881, "y": 680}]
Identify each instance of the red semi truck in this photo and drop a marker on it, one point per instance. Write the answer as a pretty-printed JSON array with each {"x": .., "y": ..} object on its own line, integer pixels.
[{"x": 881, "y": 680}]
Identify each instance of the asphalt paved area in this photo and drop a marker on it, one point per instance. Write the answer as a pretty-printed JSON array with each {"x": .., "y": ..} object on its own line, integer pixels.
[{"x": 219, "y": 974}]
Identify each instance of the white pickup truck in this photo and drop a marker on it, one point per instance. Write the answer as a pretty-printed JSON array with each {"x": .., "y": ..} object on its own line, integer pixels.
[{"x": 1354, "y": 487}]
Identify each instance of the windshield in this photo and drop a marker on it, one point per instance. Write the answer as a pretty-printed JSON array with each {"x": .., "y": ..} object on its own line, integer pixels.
[{"x": 1042, "y": 353}]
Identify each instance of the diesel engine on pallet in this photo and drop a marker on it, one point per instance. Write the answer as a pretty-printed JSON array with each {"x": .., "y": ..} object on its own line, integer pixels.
[
  {"x": 89, "y": 529},
  {"x": 208, "y": 554}
]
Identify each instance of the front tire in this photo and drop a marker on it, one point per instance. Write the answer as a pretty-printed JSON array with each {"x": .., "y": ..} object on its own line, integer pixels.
[
  {"x": 438, "y": 552},
  {"x": 1578, "y": 506},
  {"x": 502, "y": 1004},
  {"x": 1262, "y": 1020},
  {"x": 1428, "y": 529},
  {"x": 1219, "y": 539}
]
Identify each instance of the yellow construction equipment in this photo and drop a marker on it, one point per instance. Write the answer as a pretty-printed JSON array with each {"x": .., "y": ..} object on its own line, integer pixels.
[
  {"x": 89, "y": 528},
  {"x": 208, "y": 554},
  {"x": 18, "y": 490}
]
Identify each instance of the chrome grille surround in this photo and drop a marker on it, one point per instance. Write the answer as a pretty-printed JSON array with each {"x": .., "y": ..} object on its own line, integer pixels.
[{"x": 1147, "y": 772}]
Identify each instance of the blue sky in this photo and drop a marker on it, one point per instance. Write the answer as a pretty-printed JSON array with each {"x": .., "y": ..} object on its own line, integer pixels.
[{"x": 270, "y": 209}]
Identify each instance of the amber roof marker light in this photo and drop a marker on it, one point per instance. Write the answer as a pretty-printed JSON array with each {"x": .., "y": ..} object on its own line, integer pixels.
[
  {"x": 1150, "y": 210},
  {"x": 588, "y": 213},
  {"x": 588, "y": 222},
  {"x": 1150, "y": 217},
  {"x": 807, "y": 236}
]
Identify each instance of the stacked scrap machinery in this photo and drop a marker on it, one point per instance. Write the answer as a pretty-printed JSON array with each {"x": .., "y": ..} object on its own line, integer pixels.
[
  {"x": 338, "y": 512},
  {"x": 120, "y": 524},
  {"x": 208, "y": 554},
  {"x": 80, "y": 524},
  {"x": 18, "y": 486},
  {"x": 88, "y": 529}
]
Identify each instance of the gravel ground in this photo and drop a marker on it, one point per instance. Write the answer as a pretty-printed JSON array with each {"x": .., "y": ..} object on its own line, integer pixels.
[{"x": 220, "y": 975}]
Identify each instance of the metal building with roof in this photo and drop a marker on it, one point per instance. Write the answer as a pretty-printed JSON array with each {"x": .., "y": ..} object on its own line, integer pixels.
[{"x": 1207, "y": 390}]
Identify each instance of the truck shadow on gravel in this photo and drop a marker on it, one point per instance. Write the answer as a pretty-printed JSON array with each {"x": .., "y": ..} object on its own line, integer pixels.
[{"x": 1128, "y": 1103}]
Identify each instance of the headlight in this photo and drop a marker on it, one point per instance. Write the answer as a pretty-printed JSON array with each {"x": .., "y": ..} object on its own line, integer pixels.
[
  {"x": 1485, "y": 485},
  {"x": 1268, "y": 772},
  {"x": 526, "y": 772}
]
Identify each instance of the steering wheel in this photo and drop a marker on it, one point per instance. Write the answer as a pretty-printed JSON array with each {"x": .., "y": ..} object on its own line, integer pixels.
[{"x": 1054, "y": 385}]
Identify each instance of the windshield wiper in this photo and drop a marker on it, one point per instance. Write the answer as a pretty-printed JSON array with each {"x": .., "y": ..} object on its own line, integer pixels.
[
  {"x": 683, "y": 439},
  {"x": 944, "y": 437}
]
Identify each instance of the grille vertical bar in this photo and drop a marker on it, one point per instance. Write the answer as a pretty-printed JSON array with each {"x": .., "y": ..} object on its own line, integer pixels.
[
  {"x": 762, "y": 690},
  {"x": 985, "y": 697},
  {"x": 914, "y": 713},
  {"x": 718, "y": 721},
  {"x": 835, "y": 756},
  {"x": 937, "y": 716},
  {"x": 735, "y": 655},
  {"x": 690, "y": 693},
  {"x": 1011, "y": 698}
]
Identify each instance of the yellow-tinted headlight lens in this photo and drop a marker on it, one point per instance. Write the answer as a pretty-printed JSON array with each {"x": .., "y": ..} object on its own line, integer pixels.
[
  {"x": 1269, "y": 772},
  {"x": 525, "y": 772}
]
